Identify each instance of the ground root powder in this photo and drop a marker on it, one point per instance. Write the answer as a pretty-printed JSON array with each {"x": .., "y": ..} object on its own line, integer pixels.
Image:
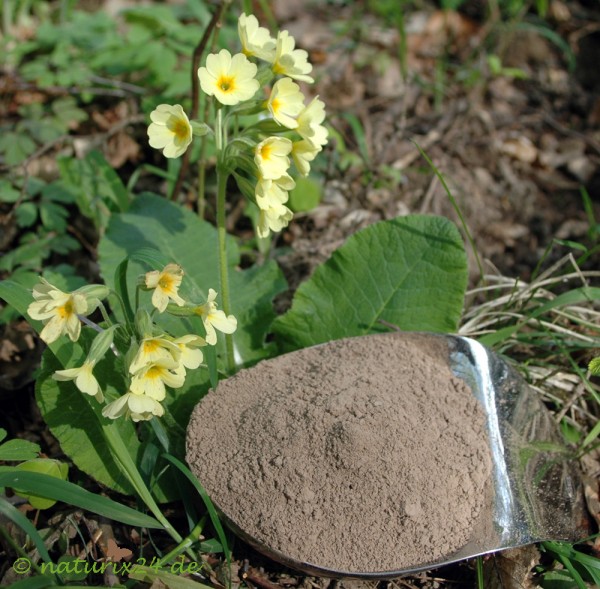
[{"x": 362, "y": 455}]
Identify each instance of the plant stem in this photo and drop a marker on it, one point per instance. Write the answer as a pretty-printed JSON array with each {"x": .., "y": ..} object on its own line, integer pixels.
[
  {"x": 121, "y": 454},
  {"x": 222, "y": 175},
  {"x": 223, "y": 270},
  {"x": 192, "y": 537},
  {"x": 480, "y": 576}
]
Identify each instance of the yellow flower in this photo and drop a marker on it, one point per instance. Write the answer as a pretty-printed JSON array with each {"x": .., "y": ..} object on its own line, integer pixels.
[
  {"x": 270, "y": 193},
  {"x": 59, "y": 309},
  {"x": 165, "y": 284},
  {"x": 191, "y": 356},
  {"x": 151, "y": 379},
  {"x": 213, "y": 318},
  {"x": 289, "y": 61},
  {"x": 271, "y": 157},
  {"x": 309, "y": 123},
  {"x": 154, "y": 349},
  {"x": 229, "y": 79},
  {"x": 170, "y": 130},
  {"x": 304, "y": 152},
  {"x": 84, "y": 379},
  {"x": 273, "y": 218},
  {"x": 138, "y": 407},
  {"x": 286, "y": 102},
  {"x": 256, "y": 40}
]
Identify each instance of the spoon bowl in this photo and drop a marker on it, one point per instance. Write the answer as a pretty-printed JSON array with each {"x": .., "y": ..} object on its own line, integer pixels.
[{"x": 535, "y": 491}]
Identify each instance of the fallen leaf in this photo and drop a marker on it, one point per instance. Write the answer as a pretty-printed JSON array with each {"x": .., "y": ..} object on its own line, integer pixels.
[
  {"x": 520, "y": 148},
  {"x": 115, "y": 553}
]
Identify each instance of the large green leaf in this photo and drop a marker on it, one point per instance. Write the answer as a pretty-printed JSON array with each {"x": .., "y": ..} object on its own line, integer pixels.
[
  {"x": 410, "y": 272},
  {"x": 76, "y": 422},
  {"x": 153, "y": 222}
]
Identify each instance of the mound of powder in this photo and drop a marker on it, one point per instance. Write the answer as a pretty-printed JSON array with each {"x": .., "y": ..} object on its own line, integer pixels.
[{"x": 361, "y": 455}]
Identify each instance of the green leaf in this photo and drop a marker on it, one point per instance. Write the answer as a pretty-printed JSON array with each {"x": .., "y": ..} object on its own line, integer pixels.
[
  {"x": 53, "y": 216},
  {"x": 16, "y": 147},
  {"x": 305, "y": 196},
  {"x": 410, "y": 272},
  {"x": 75, "y": 422},
  {"x": 28, "y": 254},
  {"x": 17, "y": 450},
  {"x": 91, "y": 190},
  {"x": 8, "y": 193},
  {"x": 116, "y": 189},
  {"x": 558, "y": 579},
  {"x": 71, "y": 494},
  {"x": 67, "y": 111},
  {"x": 48, "y": 466},
  {"x": 26, "y": 213}
]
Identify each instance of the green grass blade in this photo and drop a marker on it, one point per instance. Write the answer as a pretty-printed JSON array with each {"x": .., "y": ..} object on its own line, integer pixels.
[
  {"x": 454, "y": 204},
  {"x": 589, "y": 211},
  {"x": 53, "y": 488},
  {"x": 212, "y": 512},
  {"x": 359, "y": 134},
  {"x": 39, "y": 582},
  {"x": 585, "y": 294},
  {"x": 15, "y": 516},
  {"x": 553, "y": 37},
  {"x": 592, "y": 435},
  {"x": 165, "y": 578}
]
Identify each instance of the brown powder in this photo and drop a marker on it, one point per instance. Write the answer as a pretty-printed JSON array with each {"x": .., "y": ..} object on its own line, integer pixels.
[{"x": 361, "y": 455}]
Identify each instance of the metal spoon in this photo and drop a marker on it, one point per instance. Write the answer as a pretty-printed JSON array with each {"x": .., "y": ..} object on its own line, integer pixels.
[{"x": 537, "y": 488}]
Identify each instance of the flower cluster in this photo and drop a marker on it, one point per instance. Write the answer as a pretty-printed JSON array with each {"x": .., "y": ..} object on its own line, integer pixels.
[
  {"x": 290, "y": 129},
  {"x": 154, "y": 359}
]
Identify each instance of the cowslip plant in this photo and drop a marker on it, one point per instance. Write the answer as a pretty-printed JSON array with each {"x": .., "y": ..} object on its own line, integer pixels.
[
  {"x": 153, "y": 359},
  {"x": 258, "y": 85},
  {"x": 122, "y": 363}
]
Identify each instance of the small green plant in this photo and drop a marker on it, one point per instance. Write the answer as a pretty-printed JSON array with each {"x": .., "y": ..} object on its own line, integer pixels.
[{"x": 41, "y": 209}]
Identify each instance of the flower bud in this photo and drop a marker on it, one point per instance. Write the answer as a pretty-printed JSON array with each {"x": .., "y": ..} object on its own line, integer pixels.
[
  {"x": 199, "y": 129},
  {"x": 100, "y": 345}
]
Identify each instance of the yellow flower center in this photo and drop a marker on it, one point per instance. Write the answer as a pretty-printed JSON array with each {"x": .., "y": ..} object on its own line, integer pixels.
[
  {"x": 154, "y": 372},
  {"x": 66, "y": 310},
  {"x": 265, "y": 151},
  {"x": 166, "y": 282},
  {"x": 275, "y": 104},
  {"x": 151, "y": 346},
  {"x": 226, "y": 84},
  {"x": 180, "y": 129}
]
